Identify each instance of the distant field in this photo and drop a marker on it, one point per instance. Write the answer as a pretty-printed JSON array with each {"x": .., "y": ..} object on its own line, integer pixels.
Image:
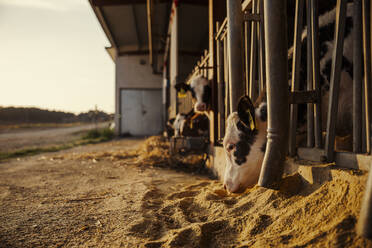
[
  {"x": 29, "y": 138},
  {"x": 39, "y": 125}
]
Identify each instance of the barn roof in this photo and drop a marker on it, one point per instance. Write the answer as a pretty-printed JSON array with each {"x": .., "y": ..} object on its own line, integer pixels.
[{"x": 135, "y": 26}]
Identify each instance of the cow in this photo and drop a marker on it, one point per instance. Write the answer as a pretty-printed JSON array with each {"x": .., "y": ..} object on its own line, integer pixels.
[
  {"x": 326, "y": 36},
  {"x": 201, "y": 92},
  {"x": 246, "y": 130},
  {"x": 245, "y": 144},
  {"x": 191, "y": 125}
]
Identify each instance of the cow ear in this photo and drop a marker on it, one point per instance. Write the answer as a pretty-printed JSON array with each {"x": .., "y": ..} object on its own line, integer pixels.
[{"x": 246, "y": 112}]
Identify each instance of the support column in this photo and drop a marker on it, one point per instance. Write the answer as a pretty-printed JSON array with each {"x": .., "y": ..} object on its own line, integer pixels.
[
  {"x": 275, "y": 13},
  {"x": 235, "y": 51}
]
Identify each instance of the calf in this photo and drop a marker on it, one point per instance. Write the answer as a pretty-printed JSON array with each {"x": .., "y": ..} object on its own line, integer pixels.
[
  {"x": 200, "y": 90},
  {"x": 191, "y": 125},
  {"x": 244, "y": 144}
]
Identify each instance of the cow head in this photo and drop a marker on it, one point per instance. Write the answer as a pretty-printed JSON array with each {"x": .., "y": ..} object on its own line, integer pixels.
[
  {"x": 200, "y": 91},
  {"x": 244, "y": 144}
]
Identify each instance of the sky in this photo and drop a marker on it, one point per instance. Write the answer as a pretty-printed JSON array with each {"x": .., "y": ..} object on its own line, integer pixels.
[{"x": 52, "y": 56}]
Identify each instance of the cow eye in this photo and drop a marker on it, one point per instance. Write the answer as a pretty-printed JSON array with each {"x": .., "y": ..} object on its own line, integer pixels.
[{"x": 230, "y": 147}]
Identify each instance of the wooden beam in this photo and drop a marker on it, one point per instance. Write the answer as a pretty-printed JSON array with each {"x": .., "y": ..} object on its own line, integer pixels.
[{"x": 149, "y": 28}]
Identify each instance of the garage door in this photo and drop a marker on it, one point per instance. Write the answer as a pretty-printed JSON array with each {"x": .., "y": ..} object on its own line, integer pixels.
[{"x": 141, "y": 112}]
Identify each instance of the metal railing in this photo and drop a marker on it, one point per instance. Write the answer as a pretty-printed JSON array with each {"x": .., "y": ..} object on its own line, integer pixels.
[{"x": 254, "y": 60}]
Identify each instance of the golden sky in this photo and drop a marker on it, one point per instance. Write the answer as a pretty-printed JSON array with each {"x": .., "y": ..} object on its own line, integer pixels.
[{"x": 52, "y": 56}]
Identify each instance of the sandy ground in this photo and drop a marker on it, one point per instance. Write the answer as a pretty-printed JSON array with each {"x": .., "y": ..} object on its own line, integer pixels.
[
  {"x": 109, "y": 195},
  {"x": 13, "y": 139}
]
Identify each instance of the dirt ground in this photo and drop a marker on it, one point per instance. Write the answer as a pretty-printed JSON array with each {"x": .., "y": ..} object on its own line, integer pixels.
[{"x": 129, "y": 193}]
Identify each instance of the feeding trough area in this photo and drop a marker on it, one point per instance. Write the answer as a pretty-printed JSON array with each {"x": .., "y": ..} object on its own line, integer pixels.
[{"x": 275, "y": 80}]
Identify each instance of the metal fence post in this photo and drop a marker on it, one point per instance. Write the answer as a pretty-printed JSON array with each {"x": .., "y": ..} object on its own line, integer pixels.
[
  {"x": 358, "y": 77},
  {"x": 235, "y": 51},
  {"x": 275, "y": 21},
  {"x": 335, "y": 78}
]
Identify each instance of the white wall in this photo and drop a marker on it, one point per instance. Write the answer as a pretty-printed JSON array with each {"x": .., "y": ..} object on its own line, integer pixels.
[{"x": 131, "y": 74}]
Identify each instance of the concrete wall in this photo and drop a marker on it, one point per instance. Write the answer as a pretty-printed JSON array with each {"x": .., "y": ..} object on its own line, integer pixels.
[{"x": 133, "y": 72}]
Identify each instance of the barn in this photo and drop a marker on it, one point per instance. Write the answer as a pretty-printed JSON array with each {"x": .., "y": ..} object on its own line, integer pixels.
[
  {"x": 242, "y": 48},
  {"x": 144, "y": 41}
]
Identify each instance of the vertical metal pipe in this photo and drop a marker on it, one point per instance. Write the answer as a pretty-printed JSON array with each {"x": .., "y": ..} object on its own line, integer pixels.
[
  {"x": 315, "y": 70},
  {"x": 253, "y": 58},
  {"x": 335, "y": 78},
  {"x": 227, "y": 84},
  {"x": 364, "y": 141},
  {"x": 358, "y": 77},
  {"x": 235, "y": 50},
  {"x": 206, "y": 64},
  {"x": 220, "y": 85},
  {"x": 295, "y": 74},
  {"x": 262, "y": 46},
  {"x": 364, "y": 226},
  {"x": 275, "y": 21},
  {"x": 367, "y": 71},
  {"x": 310, "y": 106},
  {"x": 247, "y": 46}
]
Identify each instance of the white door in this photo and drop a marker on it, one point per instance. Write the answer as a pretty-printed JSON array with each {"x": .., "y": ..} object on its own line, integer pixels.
[{"x": 141, "y": 112}]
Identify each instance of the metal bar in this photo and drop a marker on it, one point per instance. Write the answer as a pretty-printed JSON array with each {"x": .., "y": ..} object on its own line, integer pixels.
[
  {"x": 221, "y": 29},
  {"x": 367, "y": 71},
  {"x": 235, "y": 50},
  {"x": 335, "y": 78},
  {"x": 277, "y": 92},
  {"x": 220, "y": 85},
  {"x": 246, "y": 4},
  {"x": 358, "y": 76},
  {"x": 247, "y": 52},
  {"x": 252, "y": 17},
  {"x": 253, "y": 59},
  {"x": 262, "y": 47},
  {"x": 296, "y": 63},
  {"x": 364, "y": 226},
  {"x": 226, "y": 74},
  {"x": 310, "y": 106},
  {"x": 315, "y": 71},
  {"x": 364, "y": 140}
]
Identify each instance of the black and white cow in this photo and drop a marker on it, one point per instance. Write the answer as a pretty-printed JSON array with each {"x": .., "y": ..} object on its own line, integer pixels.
[
  {"x": 326, "y": 36},
  {"x": 245, "y": 137},
  {"x": 191, "y": 125},
  {"x": 201, "y": 92},
  {"x": 245, "y": 144}
]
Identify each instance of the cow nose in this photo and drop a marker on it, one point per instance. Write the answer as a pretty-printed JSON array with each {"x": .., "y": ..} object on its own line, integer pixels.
[
  {"x": 231, "y": 187},
  {"x": 200, "y": 107}
]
